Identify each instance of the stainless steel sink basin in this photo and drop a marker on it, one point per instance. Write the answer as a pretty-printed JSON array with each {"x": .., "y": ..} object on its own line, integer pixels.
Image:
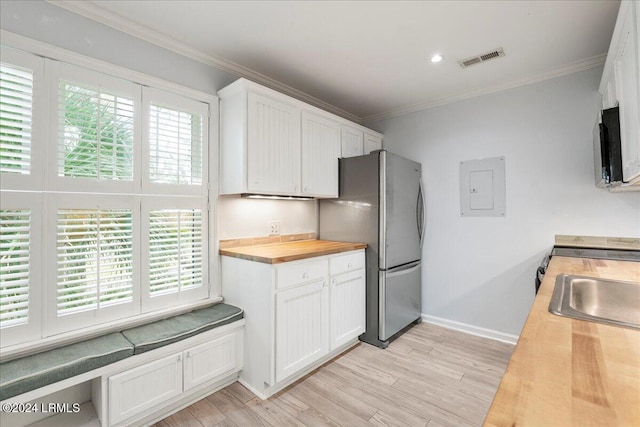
[{"x": 597, "y": 300}]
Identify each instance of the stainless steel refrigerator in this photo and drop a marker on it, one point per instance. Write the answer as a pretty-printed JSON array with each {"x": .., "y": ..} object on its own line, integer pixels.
[{"x": 381, "y": 203}]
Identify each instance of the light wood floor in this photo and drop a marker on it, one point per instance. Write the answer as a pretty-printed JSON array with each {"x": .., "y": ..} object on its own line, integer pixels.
[{"x": 430, "y": 376}]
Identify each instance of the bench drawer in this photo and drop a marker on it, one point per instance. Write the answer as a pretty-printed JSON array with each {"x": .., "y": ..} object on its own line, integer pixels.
[{"x": 288, "y": 275}]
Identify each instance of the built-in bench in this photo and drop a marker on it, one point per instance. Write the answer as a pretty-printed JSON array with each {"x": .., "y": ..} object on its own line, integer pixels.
[
  {"x": 32, "y": 372},
  {"x": 174, "y": 329}
]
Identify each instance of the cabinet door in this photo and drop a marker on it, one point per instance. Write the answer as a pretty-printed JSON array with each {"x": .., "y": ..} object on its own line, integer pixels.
[
  {"x": 352, "y": 142},
  {"x": 371, "y": 143},
  {"x": 137, "y": 390},
  {"x": 302, "y": 327},
  {"x": 320, "y": 153},
  {"x": 626, "y": 78},
  {"x": 273, "y": 146},
  {"x": 347, "y": 307},
  {"x": 207, "y": 361}
]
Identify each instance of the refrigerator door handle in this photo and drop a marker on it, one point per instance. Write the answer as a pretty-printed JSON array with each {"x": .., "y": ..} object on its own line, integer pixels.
[
  {"x": 403, "y": 269},
  {"x": 421, "y": 213}
]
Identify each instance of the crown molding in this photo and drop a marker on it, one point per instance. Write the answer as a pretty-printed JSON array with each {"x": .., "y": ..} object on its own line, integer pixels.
[
  {"x": 92, "y": 11},
  {"x": 582, "y": 65}
]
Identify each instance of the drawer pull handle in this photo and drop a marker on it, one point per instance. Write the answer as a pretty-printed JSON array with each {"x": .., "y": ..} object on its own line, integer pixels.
[
  {"x": 305, "y": 275},
  {"x": 349, "y": 265}
]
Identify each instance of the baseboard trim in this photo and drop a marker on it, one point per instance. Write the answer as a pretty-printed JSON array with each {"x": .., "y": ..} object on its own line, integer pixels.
[{"x": 470, "y": 329}]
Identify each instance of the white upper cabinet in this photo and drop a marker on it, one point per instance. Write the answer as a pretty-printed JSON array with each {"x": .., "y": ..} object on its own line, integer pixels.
[
  {"x": 352, "y": 142},
  {"x": 273, "y": 144},
  {"x": 621, "y": 86},
  {"x": 320, "y": 153},
  {"x": 372, "y": 142},
  {"x": 627, "y": 74}
]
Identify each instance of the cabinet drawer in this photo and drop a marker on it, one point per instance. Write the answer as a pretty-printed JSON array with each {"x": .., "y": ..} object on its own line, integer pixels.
[
  {"x": 344, "y": 263},
  {"x": 288, "y": 275}
]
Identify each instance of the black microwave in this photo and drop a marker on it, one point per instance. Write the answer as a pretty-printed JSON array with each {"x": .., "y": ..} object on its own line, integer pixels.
[{"x": 607, "y": 151}]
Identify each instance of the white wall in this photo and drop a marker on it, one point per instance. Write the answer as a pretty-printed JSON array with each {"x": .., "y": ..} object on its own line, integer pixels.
[
  {"x": 240, "y": 217},
  {"x": 480, "y": 271},
  {"x": 45, "y": 22}
]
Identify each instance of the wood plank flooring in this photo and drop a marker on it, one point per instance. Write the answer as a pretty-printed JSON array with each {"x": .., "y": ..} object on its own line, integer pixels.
[{"x": 430, "y": 376}]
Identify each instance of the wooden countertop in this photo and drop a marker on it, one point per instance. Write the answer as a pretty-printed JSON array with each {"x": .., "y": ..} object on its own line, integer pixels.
[
  {"x": 275, "y": 253},
  {"x": 568, "y": 372},
  {"x": 632, "y": 243}
]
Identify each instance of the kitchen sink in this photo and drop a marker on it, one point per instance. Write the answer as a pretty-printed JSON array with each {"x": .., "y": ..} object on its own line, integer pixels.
[{"x": 597, "y": 300}]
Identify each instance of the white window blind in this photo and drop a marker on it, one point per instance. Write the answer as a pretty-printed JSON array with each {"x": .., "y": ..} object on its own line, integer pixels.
[
  {"x": 94, "y": 259},
  {"x": 16, "y": 106},
  {"x": 15, "y": 239},
  {"x": 175, "y": 250},
  {"x": 96, "y": 133},
  {"x": 175, "y": 146},
  {"x": 20, "y": 267}
]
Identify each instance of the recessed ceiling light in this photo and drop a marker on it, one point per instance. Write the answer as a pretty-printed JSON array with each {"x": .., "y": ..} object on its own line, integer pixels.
[{"x": 436, "y": 58}]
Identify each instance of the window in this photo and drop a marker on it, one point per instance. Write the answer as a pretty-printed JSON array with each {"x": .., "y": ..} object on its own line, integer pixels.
[
  {"x": 96, "y": 133},
  {"x": 117, "y": 225}
]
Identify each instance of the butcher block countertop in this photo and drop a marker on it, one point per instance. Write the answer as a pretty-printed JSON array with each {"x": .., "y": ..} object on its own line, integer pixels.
[
  {"x": 275, "y": 253},
  {"x": 567, "y": 372}
]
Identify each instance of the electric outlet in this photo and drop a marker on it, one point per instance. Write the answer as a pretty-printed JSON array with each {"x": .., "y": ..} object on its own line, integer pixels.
[{"x": 274, "y": 228}]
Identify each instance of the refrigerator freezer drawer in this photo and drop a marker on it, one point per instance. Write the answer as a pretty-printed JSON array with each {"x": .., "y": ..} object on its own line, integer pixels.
[{"x": 400, "y": 299}]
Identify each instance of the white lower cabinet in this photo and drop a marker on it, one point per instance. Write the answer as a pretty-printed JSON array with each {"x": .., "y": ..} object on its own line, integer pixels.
[
  {"x": 297, "y": 314},
  {"x": 154, "y": 386},
  {"x": 137, "y": 390},
  {"x": 347, "y": 307},
  {"x": 302, "y": 327},
  {"x": 209, "y": 360}
]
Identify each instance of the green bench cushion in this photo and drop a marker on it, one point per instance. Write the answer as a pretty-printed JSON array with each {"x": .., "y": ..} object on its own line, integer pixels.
[
  {"x": 174, "y": 329},
  {"x": 32, "y": 372}
]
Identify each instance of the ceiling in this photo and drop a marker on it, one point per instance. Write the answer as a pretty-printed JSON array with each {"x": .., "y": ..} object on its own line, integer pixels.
[{"x": 367, "y": 60}]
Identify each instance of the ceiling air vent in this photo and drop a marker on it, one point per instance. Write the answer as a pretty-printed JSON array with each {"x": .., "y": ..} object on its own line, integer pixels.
[{"x": 481, "y": 58}]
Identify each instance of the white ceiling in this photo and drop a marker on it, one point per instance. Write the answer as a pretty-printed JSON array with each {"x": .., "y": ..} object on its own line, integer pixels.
[{"x": 370, "y": 59}]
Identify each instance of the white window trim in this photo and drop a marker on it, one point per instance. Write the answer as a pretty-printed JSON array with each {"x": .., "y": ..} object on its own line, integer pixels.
[{"x": 31, "y": 46}]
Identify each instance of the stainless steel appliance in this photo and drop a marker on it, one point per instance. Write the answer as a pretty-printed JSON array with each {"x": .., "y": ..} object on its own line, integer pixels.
[
  {"x": 607, "y": 148},
  {"x": 584, "y": 252},
  {"x": 382, "y": 204}
]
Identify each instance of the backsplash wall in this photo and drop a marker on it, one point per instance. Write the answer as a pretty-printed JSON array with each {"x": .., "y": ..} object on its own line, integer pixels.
[{"x": 241, "y": 217}]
